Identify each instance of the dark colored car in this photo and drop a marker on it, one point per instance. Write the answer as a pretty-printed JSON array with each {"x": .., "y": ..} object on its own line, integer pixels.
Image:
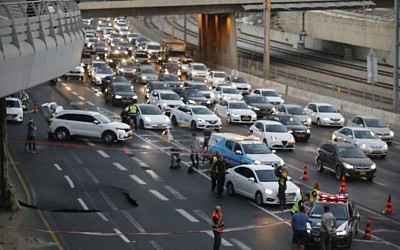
[
  {"x": 347, "y": 220},
  {"x": 192, "y": 96},
  {"x": 141, "y": 58},
  {"x": 293, "y": 124},
  {"x": 170, "y": 68},
  {"x": 124, "y": 45},
  {"x": 126, "y": 68},
  {"x": 112, "y": 79},
  {"x": 345, "y": 159},
  {"x": 173, "y": 80},
  {"x": 120, "y": 93},
  {"x": 116, "y": 56},
  {"x": 101, "y": 51},
  {"x": 259, "y": 104},
  {"x": 153, "y": 85}
]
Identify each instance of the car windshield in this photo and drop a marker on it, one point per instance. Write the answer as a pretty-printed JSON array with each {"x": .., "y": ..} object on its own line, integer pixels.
[
  {"x": 128, "y": 65},
  {"x": 338, "y": 210},
  {"x": 171, "y": 78},
  {"x": 141, "y": 56},
  {"x": 200, "y": 87},
  {"x": 12, "y": 104},
  {"x": 219, "y": 75},
  {"x": 169, "y": 96},
  {"x": 171, "y": 66},
  {"x": 150, "y": 110},
  {"x": 296, "y": 111},
  {"x": 99, "y": 65},
  {"x": 148, "y": 71},
  {"x": 104, "y": 71},
  {"x": 351, "y": 152},
  {"x": 153, "y": 47},
  {"x": 290, "y": 120},
  {"x": 119, "y": 79},
  {"x": 266, "y": 175},
  {"x": 238, "y": 105},
  {"x": 376, "y": 123},
  {"x": 257, "y": 99},
  {"x": 160, "y": 86},
  {"x": 362, "y": 134},
  {"x": 201, "y": 111},
  {"x": 123, "y": 88},
  {"x": 269, "y": 93},
  {"x": 239, "y": 80},
  {"x": 193, "y": 93},
  {"x": 102, "y": 118},
  {"x": 115, "y": 35},
  {"x": 230, "y": 91},
  {"x": 257, "y": 148},
  {"x": 276, "y": 128},
  {"x": 327, "y": 109},
  {"x": 199, "y": 67}
]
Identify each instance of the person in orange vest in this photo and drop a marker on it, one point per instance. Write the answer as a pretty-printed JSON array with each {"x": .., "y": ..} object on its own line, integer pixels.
[{"x": 217, "y": 222}]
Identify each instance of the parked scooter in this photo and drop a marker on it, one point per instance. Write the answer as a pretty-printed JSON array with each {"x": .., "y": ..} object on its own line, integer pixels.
[{"x": 24, "y": 97}]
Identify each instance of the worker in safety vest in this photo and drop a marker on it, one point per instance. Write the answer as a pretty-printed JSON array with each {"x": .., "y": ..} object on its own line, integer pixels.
[
  {"x": 217, "y": 222},
  {"x": 314, "y": 194},
  {"x": 133, "y": 113},
  {"x": 282, "y": 173},
  {"x": 213, "y": 170},
  {"x": 300, "y": 203}
]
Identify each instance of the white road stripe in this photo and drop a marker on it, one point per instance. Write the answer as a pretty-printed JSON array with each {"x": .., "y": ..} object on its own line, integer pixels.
[
  {"x": 57, "y": 167},
  {"x": 186, "y": 215},
  {"x": 71, "y": 184},
  {"x": 175, "y": 193},
  {"x": 83, "y": 204},
  {"x": 108, "y": 200},
  {"x": 137, "y": 179},
  {"x": 139, "y": 162},
  {"x": 82, "y": 98},
  {"x": 119, "y": 166},
  {"x": 224, "y": 242},
  {"x": 240, "y": 244},
  {"x": 63, "y": 84},
  {"x": 74, "y": 93},
  {"x": 379, "y": 183},
  {"x": 155, "y": 245},
  {"x": 158, "y": 195},
  {"x": 90, "y": 103},
  {"x": 68, "y": 88},
  {"x": 91, "y": 144},
  {"x": 76, "y": 157},
  {"x": 90, "y": 89},
  {"x": 91, "y": 175},
  {"x": 102, "y": 153},
  {"x": 102, "y": 216},
  {"x": 154, "y": 175},
  {"x": 123, "y": 237},
  {"x": 133, "y": 221}
]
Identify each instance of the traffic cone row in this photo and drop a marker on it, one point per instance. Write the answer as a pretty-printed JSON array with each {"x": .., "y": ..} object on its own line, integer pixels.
[
  {"x": 342, "y": 185},
  {"x": 367, "y": 234},
  {"x": 305, "y": 172},
  {"x": 388, "y": 209},
  {"x": 35, "y": 107}
]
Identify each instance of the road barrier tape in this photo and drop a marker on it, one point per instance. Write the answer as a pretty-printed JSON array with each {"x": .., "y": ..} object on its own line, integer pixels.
[{"x": 232, "y": 229}]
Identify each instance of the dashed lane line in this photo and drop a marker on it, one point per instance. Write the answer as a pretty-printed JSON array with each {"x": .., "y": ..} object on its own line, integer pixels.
[
  {"x": 119, "y": 166},
  {"x": 139, "y": 162},
  {"x": 102, "y": 216},
  {"x": 90, "y": 103},
  {"x": 155, "y": 245},
  {"x": 57, "y": 167},
  {"x": 175, "y": 193},
  {"x": 84, "y": 206},
  {"x": 137, "y": 179},
  {"x": 63, "y": 84},
  {"x": 158, "y": 195},
  {"x": 224, "y": 242},
  {"x": 133, "y": 221},
  {"x": 68, "y": 88},
  {"x": 76, "y": 157},
  {"x": 74, "y": 93},
  {"x": 240, "y": 244},
  {"x": 108, "y": 200},
  {"x": 186, "y": 215},
  {"x": 102, "y": 153},
  {"x": 70, "y": 182},
  {"x": 123, "y": 237},
  {"x": 91, "y": 175},
  {"x": 153, "y": 175},
  {"x": 81, "y": 98}
]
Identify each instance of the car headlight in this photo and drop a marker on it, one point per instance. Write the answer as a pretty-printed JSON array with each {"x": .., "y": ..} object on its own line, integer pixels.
[
  {"x": 348, "y": 166},
  {"x": 385, "y": 146},
  {"x": 308, "y": 120},
  {"x": 110, "y": 60},
  {"x": 373, "y": 166},
  {"x": 125, "y": 52},
  {"x": 290, "y": 131},
  {"x": 106, "y": 49},
  {"x": 183, "y": 67},
  {"x": 308, "y": 131},
  {"x": 143, "y": 77},
  {"x": 308, "y": 231},
  {"x": 326, "y": 119},
  {"x": 342, "y": 119},
  {"x": 281, "y": 162},
  {"x": 117, "y": 97},
  {"x": 341, "y": 233},
  {"x": 273, "y": 138},
  {"x": 253, "y": 116},
  {"x": 255, "y": 108},
  {"x": 391, "y": 133},
  {"x": 269, "y": 191},
  {"x": 98, "y": 79},
  {"x": 122, "y": 70},
  {"x": 292, "y": 138},
  {"x": 297, "y": 191},
  {"x": 226, "y": 97},
  {"x": 147, "y": 119},
  {"x": 257, "y": 162},
  {"x": 130, "y": 48},
  {"x": 208, "y": 102},
  {"x": 191, "y": 102},
  {"x": 363, "y": 146},
  {"x": 200, "y": 120},
  {"x": 164, "y": 104},
  {"x": 134, "y": 97}
]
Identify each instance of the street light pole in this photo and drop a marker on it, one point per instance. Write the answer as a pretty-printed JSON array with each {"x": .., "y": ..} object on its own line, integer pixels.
[
  {"x": 267, "y": 36},
  {"x": 396, "y": 58}
]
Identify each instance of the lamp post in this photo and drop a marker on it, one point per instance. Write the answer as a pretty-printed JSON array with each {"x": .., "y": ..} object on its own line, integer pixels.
[{"x": 267, "y": 36}]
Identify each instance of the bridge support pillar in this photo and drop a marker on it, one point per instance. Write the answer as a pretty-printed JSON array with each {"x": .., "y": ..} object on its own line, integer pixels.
[{"x": 217, "y": 40}]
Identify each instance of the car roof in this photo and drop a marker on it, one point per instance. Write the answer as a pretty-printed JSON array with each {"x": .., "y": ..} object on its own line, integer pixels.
[
  {"x": 121, "y": 83},
  {"x": 268, "y": 122},
  {"x": 165, "y": 91},
  {"x": 367, "y": 117},
  {"x": 283, "y": 115},
  {"x": 263, "y": 89},
  {"x": 77, "y": 111},
  {"x": 257, "y": 167},
  {"x": 218, "y": 71},
  {"x": 321, "y": 103},
  {"x": 341, "y": 144},
  {"x": 12, "y": 98},
  {"x": 235, "y": 101},
  {"x": 291, "y": 105},
  {"x": 227, "y": 87},
  {"x": 153, "y": 43}
]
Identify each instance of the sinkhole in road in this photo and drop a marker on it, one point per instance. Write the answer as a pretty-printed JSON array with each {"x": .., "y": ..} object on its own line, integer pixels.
[{"x": 88, "y": 199}]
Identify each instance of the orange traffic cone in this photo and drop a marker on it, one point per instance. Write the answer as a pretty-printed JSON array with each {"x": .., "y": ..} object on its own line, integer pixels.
[
  {"x": 388, "y": 209},
  {"x": 367, "y": 234},
  {"x": 342, "y": 185},
  {"x": 305, "y": 172},
  {"x": 35, "y": 107}
]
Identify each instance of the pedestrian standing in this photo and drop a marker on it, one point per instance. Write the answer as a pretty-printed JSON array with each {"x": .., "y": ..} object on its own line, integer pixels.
[
  {"x": 221, "y": 165},
  {"x": 299, "y": 226},
  {"x": 213, "y": 170},
  {"x": 133, "y": 113},
  {"x": 299, "y": 203},
  {"x": 282, "y": 174},
  {"x": 328, "y": 223},
  {"x": 30, "y": 137},
  {"x": 314, "y": 194},
  {"x": 217, "y": 222},
  {"x": 207, "y": 135},
  {"x": 195, "y": 147}
]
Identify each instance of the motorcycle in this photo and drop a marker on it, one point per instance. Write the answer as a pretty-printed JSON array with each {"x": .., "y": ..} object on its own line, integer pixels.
[{"x": 24, "y": 97}]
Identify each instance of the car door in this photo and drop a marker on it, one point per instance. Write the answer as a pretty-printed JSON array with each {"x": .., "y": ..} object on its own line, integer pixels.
[
  {"x": 237, "y": 156},
  {"x": 229, "y": 154},
  {"x": 154, "y": 98},
  {"x": 185, "y": 115},
  {"x": 217, "y": 94},
  {"x": 259, "y": 130},
  {"x": 249, "y": 186},
  {"x": 281, "y": 109},
  {"x": 223, "y": 109},
  {"x": 311, "y": 110},
  {"x": 345, "y": 135},
  {"x": 354, "y": 218},
  {"x": 331, "y": 156},
  {"x": 239, "y": 180}
]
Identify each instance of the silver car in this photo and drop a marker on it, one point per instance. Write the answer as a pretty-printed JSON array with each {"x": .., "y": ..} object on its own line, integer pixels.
[
  {"x": 377, "y": 125},
  {"x": 363, "y": 138},
  {"x": 295, "y": 110}
]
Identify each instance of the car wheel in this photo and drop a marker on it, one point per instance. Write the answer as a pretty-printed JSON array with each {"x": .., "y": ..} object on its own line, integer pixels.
[
  {"x": 259, "y": 199},
  {"x": 230, "y": 189},
  {"x": 338, "y": 172},
  {"x": 193, "y": 125},
  {"x": 228, "y": 118},
  {"x": 141, "y": 124},
  {"x": 62, "y": 134},
  {"x": 108, "y": 137},
  {"x": 174, "y": 121},
  {"x": 320, "y": 166},
  {"x": 318, "y": 122}
]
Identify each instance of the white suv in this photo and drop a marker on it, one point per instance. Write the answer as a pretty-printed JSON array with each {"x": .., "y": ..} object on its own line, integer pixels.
[
  {"x": 91, "y": 124},
  {"x": 14, "y": 111}
]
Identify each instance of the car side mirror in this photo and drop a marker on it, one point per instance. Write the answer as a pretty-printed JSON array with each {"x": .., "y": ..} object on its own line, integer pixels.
[
  {"x": 289, "y": 178},
  {"x": 350, "y": 136},
  {"x": 96, "y": 122},
  {"x": 238, "y": 152},
  {"x": 273, "y": 151},
  {"x": 252, "y": 179},
  {"x": 188, "y": 112},
  {"x": 355, "y": 217}
]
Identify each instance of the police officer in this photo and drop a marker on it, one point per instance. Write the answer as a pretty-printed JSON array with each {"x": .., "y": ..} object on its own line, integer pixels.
[
  {"x": 314, "y": 194},
  {"x": 300, "y": 203},
  {"x": 133, "y": 113},
  {"x": 217, "y": 222},
  {"x": 221, "y": 166},
  {"x": 213, "y": 171},
  {"x": 282, "y": 174}
]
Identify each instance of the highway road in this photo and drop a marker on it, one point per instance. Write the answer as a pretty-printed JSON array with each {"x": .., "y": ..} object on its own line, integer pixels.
[{"x": 124, "y": 196}]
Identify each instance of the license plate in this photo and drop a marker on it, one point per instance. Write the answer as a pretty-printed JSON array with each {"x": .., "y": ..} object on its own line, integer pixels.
[
  {"x": 363, "y": 172},
  {"x": 301, "y": 135},
  {"x": 159, "y": 125},
  {"x": 289, "y": 197},
  {"x": 246, "y": 118},
  {"x": 376, "y": 151},
  {"x": 316, "y": 239},
  {"x": 213, "y": 126}
]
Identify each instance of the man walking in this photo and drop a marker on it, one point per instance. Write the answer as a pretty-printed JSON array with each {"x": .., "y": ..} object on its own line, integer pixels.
[
  {"x": 282, "y": 174},
  {"x": 328, "y": 223},
  {"x": 221, "y": 166},
  {"x": 195, "y": 147},
  {"x": 217, "y": 222},
  {"x": 133, "y": 113},
  {"x": 31, "y": 135},
  {"x": 213, "y": 170},
  {"x": 299, "y": 226},
  {"x": 207, "y": 136}
]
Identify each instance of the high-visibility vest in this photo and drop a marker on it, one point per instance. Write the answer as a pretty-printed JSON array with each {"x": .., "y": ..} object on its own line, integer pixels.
[
  {"x": 132, "y": 109},
  {"x": 213, "y": 168},
  {"x": 219, "y": 225},
  {"x": 314, "y": 195},
  {"x": 296, "y": 207},
  {"x": 283, "y": 178}
]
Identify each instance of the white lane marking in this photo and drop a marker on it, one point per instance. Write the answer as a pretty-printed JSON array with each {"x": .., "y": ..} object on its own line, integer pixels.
[
  {"x": 240, "y": 244},
  {"x": 175, "y": 193},
  {"x": 380, "y": 183},
  {"x": 68, "y": 88},
  {"x": 90, "y": 89},
  {"x": 57, "y": 167},
  {"x": 158, "y": 195},
  {"x": 133, "y": 221},
  {"x": 82, "y": 98},
  {"x": 123, "y": 237},
  {"x": 224, "y": 242},
  {"x": 85, "y": 207},
  {"x": 76, "y": 157},
  {"x": 139, "y": 162},
  {"x": 155, "y": 245},
  {"x": 89, "y": 142},
  {"x": 137, "y": 179},
  {"x": 153, "y": 175},
  {"x": 91, "y": 175},
  {"x": 90, "y": 103},
  {"x": 74, "y": 93},
  {"x": 102, "y": 216},
  {"x": 108, "y": 200},
  {"x": 294, "y": 168},
  {"x": 202, "y": 215},
  {"x": 63, "y": 84},
  {"x": 119, "y": 166},
  {"x": 186, "y": 215},
  {"x": 102, "y": 153},
  {"x": 71, "y": 184}
]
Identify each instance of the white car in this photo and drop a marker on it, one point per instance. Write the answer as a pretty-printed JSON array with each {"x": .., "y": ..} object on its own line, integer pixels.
[
  {"x": 151, "y": 117},
  {"x": 152, "y": 48},
  {"x": 324, "y": 114},
  {"x": 260, "y": 183},
  {"x": 377, "y": 125},
  {"x": 363, "y": 138},
  {"x": 273, "y": 97},
  {"x": 14, "y": 110},
  {"x": 100, "y": 73},
  {"x": 195, "y": 116},
  {"x": 295, "y": 110},
  {"x": 241, "y": 84},
  {"x": 184, "y": 63},
  {"x": 235, "y": 112},
  {"x": 78, "y": 71},
  {"x": 196, "y": 70},
  {"x": 274, "y": 134},
  {"x": 165, "y": 99},
  {"x": 216, "y": 78},
  {"x": 88, "y": 124},
  {"x": 223, "y": 93}
]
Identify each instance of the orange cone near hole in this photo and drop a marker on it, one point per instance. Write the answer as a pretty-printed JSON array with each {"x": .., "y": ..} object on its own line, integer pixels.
[
  {"x": 305, "y": 172},
  {"x": 388, "y": 209},
  {"x": 342, "y": 185},
  {"x": 35, "y": 107},
  {"x": 367, "y": 234}
]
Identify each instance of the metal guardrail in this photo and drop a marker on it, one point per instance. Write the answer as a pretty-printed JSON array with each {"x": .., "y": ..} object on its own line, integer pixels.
[{"x": 25, "y": 21}]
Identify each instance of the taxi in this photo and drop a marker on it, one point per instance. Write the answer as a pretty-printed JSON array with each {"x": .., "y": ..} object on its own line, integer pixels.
[{"x": 195, "y": 116}]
